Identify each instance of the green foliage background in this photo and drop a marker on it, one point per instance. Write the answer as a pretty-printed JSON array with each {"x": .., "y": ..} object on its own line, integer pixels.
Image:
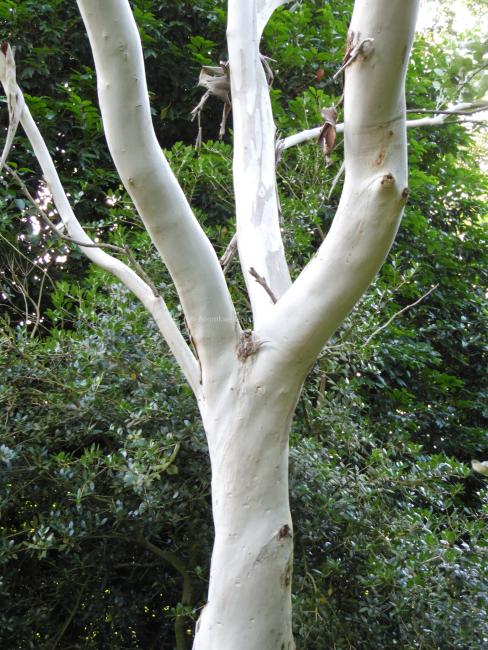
[{"x": 105, "y": 522}]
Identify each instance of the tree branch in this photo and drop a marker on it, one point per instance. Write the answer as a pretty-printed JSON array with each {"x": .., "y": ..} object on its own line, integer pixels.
[
  {"x": 375, "y": 187},
  {"x": 15, "y": 99},
  {"x": 52, "y": 226},
  {"x": 229, "y": 254},
  {"x": 262, "y": 281},
  {"x": 257, "y": 215},
  {"x": 265, "y": 9},
  {"x": 305, "y": 136},
  {"x": 154, "y": 304},
  {"x": 71, "y": 615},
  {"x": 463, "y": 109},
  {"x": 117, "y": 249},
  {"x": 146, "y": 175}
]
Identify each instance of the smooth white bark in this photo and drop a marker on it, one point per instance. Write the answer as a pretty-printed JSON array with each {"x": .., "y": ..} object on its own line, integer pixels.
[
  {"x": 258, "y": 229},
  {"x": 265, "y": 9},
  {"x": 375, "y": 188},
  {"x": 247, "y": 419},
  {"x": 305, "y": 136},
  {"x": 148, "y": 179}
]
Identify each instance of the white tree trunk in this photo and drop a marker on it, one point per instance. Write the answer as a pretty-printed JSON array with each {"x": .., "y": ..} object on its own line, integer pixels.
[
  {"x": 256, "y": 196},
  {"x": 247, "y": 383},
  {"x": 247, "y": 419}
]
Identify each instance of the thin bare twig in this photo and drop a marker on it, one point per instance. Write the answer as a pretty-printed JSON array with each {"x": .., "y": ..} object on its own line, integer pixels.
[
  {"x": 141, "y": 271},
  {"x": 38, "y": 305},
  {"x": 262, "y": 281},
  {"x": 470, "y": 76},
  {"x": 434, "y": 111},
  {"x": 353, "y": 54},
  {"x": 17, "y": 286},
  {"x": 186, "y": 595},
  {"x": 118, "y": 249},
  {"x": 385, "y": 325},
  {"x": 341, "y": 171},
  {"x": 21, "y": 254},
  {"x": 48, "y": 221},
  {"x": 71, "y": 616},
  {"x": 24, "y": 290}
]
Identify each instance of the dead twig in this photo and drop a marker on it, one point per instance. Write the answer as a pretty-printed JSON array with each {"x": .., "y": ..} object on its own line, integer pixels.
[
  {"x": 125, "y": 250},
  {"x": 392, "y": 318},
  {"x": 262, "y": 281},
  {"x": 433, "y": 111},
  {"x": 353, "y": 51}
]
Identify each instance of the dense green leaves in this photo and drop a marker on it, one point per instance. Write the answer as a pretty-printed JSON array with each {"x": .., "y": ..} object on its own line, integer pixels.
[{"x": 101, "y": 455}]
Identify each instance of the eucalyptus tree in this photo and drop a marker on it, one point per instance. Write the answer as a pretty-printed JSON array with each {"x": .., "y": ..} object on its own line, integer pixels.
[{"x": 247, "y": 381}]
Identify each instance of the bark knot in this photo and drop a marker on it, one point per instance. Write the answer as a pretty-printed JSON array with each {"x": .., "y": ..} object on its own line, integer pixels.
[
  {"x": 388, "y": 179},
  {"x": 284, "y": 531},
  {"x": 248, "y": 345},
  {"x": 380, "y": 158}
]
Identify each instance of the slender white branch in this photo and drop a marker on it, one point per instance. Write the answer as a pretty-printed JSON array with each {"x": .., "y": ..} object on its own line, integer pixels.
[
  {"x": 462, "y": 111},
  {"x": 257, "y": 215},
  {"x": 305, "y": 136},
  {"x": 440, "y": 117},
  {"x": 146, "y": 175},
  {"x": 265, "y": 9},
  {"x": 154, "y": 304},
  {"x": 375, "y": 187}
]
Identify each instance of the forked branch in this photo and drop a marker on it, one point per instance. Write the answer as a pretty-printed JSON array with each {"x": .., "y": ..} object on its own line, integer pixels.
[
  {"x": 265, "y": 9},
  {"x": 375, "y": 188},
  {"x": 153, "y": 303},
  {"x": 149, "y": 180}
]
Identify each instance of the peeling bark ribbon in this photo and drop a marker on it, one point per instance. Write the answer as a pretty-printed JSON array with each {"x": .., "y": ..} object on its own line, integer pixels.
[
  {"x": 328, "y": 136},
  {"x": 363, "y": 47},
  {"x": 216, "y": 81},
  {"x": 15, "y": 99}
]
